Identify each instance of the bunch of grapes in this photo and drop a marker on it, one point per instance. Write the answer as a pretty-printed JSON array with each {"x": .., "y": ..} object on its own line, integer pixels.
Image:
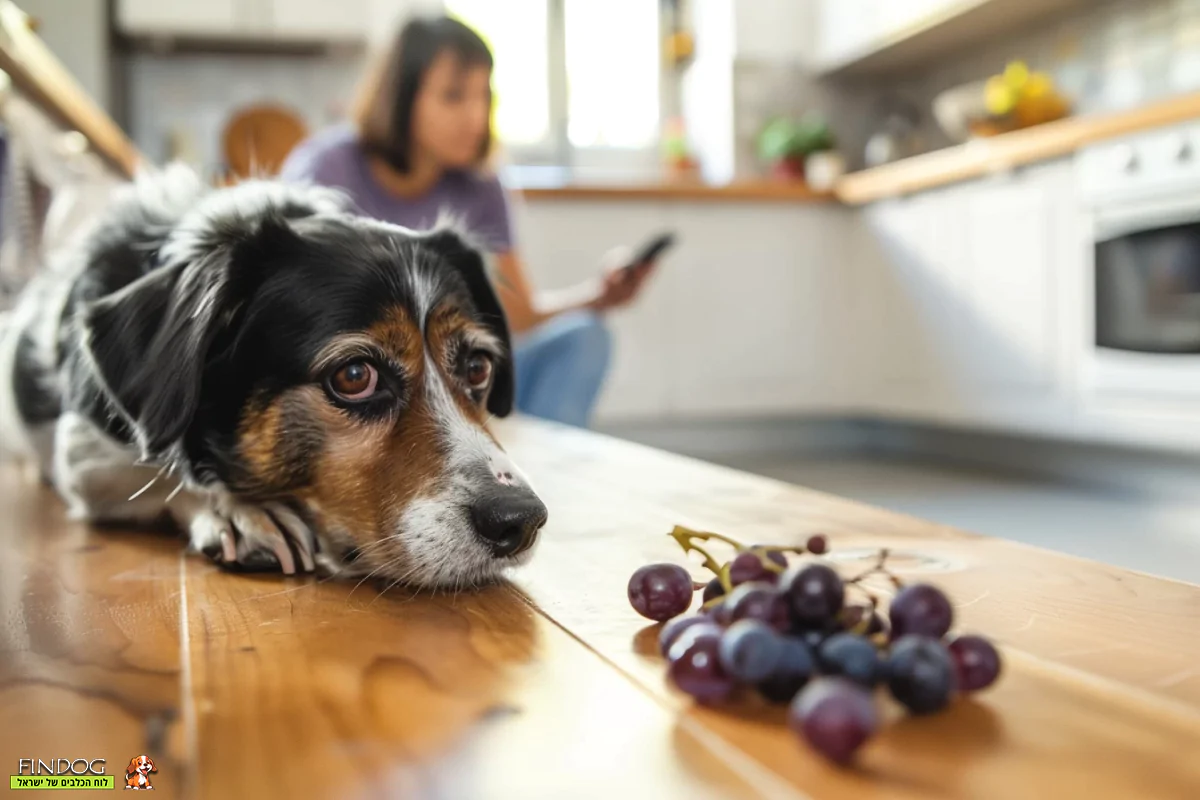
[{"x": 791, "y": 633}]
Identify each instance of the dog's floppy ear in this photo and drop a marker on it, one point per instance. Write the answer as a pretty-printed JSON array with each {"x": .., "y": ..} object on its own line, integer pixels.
[
  {"x": 132, "y": 766},
  {"x": 150, "y": 341},
  {"x": 468, "y": 261}
]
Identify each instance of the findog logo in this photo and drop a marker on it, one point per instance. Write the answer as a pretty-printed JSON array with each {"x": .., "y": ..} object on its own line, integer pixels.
[
  {"x": 137, "y": 774},
  {"x": 60, "y": 773}
]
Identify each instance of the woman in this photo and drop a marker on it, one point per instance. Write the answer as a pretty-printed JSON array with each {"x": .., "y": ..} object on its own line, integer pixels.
[{"x": 418, "y": 147}]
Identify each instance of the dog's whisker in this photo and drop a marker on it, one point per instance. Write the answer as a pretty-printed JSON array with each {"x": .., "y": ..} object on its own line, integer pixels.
[{"x": 146, "y": 488}]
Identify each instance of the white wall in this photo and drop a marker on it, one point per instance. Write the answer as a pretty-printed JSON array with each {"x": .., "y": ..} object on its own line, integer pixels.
[{"x": 76, "y": 31}]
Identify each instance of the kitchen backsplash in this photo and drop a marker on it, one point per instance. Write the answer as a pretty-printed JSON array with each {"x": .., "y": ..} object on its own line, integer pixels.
[
  {"x": 1113, "y": 54},
  {"x": 177, "y": 105}
]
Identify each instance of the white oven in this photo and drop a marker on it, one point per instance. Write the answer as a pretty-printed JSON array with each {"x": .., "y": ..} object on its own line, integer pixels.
[{"x": 1142, "y": 320}]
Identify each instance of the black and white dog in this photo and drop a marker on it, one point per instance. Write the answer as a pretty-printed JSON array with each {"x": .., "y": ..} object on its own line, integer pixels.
[{"x": 295, "y": 386}]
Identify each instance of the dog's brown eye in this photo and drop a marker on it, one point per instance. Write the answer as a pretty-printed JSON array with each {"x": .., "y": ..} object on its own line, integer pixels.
[
  {"x": 478, "y": 370},
  {"x": 355, "y": 381}
]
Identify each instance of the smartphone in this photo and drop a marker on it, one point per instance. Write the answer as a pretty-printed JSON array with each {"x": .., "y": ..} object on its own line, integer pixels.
[{"x": 653, "y": 249}]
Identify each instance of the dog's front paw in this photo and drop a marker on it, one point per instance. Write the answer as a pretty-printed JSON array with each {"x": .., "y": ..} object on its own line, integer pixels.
[{"x": 251, "y": 538}]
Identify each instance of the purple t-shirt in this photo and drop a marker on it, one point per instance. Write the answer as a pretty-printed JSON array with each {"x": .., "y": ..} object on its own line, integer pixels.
[{"x": 334, "y": 158}]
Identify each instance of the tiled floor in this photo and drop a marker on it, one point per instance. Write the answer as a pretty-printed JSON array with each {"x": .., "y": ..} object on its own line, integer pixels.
[{"x": 1150, "y": 536}]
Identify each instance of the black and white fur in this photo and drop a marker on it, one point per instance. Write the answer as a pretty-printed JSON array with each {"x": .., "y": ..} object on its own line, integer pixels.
[{"x": 128, "y": 366}]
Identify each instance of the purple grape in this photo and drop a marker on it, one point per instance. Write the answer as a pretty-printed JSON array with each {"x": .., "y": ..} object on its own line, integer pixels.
[
  {"x": 697, "y": 671},
  {"x": 835, "y": 716},
  {"x": 852, "y": 657},
  {"x": 976, "y": 662},
  {"x": 719, "y": 612},
  {"x": 712, "y": 590},
  {"x": 920, "y": 674},
  {"x": 817, "y": 545},
  {"x": 814, "y": 638},
  {"x": 661, "y": 591},
  {"x": 817, "y": 594},
  {"x": 747, "y": 567},
  {"x": 776, "y": 556},
  {"x": 759, "y": 601},
  {"x": 689, "y": 636},
  {"x": 794, "y": 668},
  {"x": 672, "y": 630},
  {"x": 920, "y": 609},
  {"x": 750, "y": 649}
]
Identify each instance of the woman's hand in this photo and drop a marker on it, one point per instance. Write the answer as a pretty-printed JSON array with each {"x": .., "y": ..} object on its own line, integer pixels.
[{"x": 621, "y": 283}]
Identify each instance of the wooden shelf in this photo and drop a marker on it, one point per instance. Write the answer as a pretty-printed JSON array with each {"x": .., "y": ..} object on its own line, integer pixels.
[
  {"x": 955, "y": 29},
  {"x": 746, "y": 191},
  {"x": 1008, "y": 151}
]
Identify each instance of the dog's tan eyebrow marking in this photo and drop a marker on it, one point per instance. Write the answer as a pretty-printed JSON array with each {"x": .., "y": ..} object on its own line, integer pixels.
[{"x": 347, "y": 348}]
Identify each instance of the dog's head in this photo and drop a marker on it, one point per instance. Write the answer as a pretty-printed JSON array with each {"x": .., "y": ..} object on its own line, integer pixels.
[
  {"x": 142, "y": 765},
  {"x": 286, "y": 351}
]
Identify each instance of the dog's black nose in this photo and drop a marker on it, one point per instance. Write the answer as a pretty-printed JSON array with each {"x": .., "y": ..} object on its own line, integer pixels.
[{"x": 508, "y": 523}]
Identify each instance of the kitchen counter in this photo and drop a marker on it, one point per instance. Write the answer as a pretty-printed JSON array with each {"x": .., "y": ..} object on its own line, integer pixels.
[
  {"x": 748, "y": 191},
  {"x": 964, "y": 162},
  {"x": 982, "y": 157}
]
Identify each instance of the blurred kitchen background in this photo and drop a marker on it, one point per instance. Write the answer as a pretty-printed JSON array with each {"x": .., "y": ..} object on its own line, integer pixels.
[{"x": 939, "y": 255}]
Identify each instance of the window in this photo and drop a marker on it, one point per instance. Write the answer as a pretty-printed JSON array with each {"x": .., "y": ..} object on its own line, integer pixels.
[{"x": 577, "y": 82}]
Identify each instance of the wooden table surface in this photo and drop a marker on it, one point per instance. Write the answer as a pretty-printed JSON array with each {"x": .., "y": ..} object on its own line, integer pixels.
[{"x": 113, "y": 644}]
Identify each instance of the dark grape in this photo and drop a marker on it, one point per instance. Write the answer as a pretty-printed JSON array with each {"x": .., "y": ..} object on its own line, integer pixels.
[
  {"x": 794, "y": 668},
  {"x": 920, "y": 674},
  {"x": 776, "y": 557},
  {"x": 671, "y": 631},
  {"x": 851, "y": 657},
  {"x": 750, "y": 649},
  {"x": 835, "y": 716},
  {"x": 817, "y": 545},
  {"x": 747, "y": 567},
  {"x": 712, "y": 590},
  {"x": 690, "y": 635},
  {"x": 719, "y": 611},
  {"x": 816, "y": 594},
  {"x": 976, "y": 662},
  {"x": 759, "y": 601},
  {"x": 813, "y": 638},
  {"x": 661, "y": 591},
  {"x": 697, "y": 671},
  {"x": 920, "y": 609}
]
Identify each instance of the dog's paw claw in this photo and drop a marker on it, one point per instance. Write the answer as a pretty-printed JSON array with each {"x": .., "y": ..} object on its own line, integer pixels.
[{"x": 254, "y": 539}]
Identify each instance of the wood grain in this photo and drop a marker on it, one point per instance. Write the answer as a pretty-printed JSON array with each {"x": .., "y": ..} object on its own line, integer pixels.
[
  {"x": 1007, "y": 151},
  {"x": 114, "y": 643}
]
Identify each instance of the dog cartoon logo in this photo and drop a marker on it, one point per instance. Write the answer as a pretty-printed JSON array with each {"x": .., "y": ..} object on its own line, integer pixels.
[{"x": 137, "y": 774}]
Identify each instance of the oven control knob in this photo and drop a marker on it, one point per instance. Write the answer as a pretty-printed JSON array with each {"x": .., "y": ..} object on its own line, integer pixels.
[
  {"x": 1126, "y": 159},
  {"x": 1183, "y": 149}
]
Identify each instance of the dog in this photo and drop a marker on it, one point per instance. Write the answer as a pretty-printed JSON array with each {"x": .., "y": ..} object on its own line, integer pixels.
[
  {"x": 137, "y": 774},
  {"x": 299, "y": 388}
]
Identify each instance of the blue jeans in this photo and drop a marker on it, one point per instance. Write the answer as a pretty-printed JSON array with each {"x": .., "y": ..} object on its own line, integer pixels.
[{"x": 561, "y": 366}]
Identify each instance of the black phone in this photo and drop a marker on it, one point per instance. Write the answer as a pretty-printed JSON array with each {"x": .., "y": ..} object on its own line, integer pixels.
[{"x": 652, "y": 250}]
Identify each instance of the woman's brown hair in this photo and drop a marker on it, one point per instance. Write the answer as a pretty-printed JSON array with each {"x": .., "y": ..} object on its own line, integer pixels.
[{"x": 383, "y": 105}]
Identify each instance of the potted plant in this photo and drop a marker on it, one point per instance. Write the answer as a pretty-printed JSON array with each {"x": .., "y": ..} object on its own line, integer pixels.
[{"x": 784, "y": 145}]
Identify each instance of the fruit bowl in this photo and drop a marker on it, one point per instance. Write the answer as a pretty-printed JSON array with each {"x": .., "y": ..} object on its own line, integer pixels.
[{"x": 1007, "y": 102}]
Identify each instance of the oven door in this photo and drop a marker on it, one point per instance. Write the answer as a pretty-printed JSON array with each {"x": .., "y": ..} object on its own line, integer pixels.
[{"x": 1144, "y": 283}]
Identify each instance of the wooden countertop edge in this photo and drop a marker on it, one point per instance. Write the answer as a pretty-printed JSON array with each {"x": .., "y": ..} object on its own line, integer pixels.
[
  {"x": 1006, "y": 151},
  {"x": 747, "y": 191}
]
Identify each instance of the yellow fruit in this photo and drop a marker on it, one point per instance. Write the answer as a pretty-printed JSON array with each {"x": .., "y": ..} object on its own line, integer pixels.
[
  {"x": 1016, "y": 74},
  {"x": 1039, "y": 85},
  {"x": 999, "y": 97}
]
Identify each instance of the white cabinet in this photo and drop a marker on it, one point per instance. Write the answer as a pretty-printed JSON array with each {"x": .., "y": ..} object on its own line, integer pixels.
[
  {"x": 1008, "y": 290},
  {"x": 774, "y": 30},
  {"x": 964, "y": 313},
  {"x": 746, "y": 316},
  {"x": 319, "y": 19},
  {"x": 283, "y": 20},
  {"x": 849, "y": 29},
  {"x": 180, "y": 17}
]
